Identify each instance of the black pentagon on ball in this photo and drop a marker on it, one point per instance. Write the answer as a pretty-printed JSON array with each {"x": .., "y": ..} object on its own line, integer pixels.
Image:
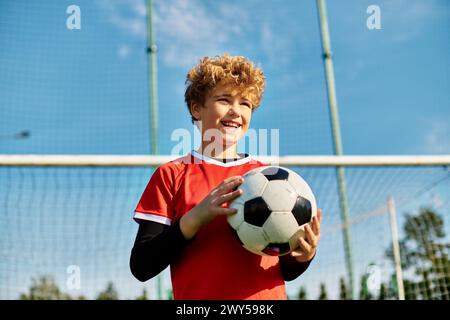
[
  {"x": 277, "y": 249},
  {"x": 256, "y": 211},
  {"x": 302, "y": 210},
  {"x": 275, "y": 173}
]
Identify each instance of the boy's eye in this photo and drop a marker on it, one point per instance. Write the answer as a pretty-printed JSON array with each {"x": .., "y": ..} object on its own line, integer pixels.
[{"x": 246, "y": 104}]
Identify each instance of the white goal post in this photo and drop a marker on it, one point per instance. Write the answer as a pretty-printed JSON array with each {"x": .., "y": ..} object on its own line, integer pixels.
[{"x": 31, "y": 160}]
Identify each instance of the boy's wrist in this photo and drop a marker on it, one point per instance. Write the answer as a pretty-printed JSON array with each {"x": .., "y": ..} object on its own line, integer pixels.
[{"x": 189, "y": 225}]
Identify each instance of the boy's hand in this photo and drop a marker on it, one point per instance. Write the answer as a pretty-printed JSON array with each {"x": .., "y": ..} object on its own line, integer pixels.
[
  {"x": 211, "y": 206},
  {"x": 307, "y": 247}
]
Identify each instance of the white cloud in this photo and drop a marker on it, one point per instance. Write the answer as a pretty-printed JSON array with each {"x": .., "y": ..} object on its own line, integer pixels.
[
  {"x": 124, "y": 51},
  {"x": 186, "y": 30},
  {"x": 437, "y": 140},
  {"x": 135, "y": 26},
  {"x": 278, "y": 49},
  {"x": 437, "y": 201},
  {"x": 139, "y": 7},
  {"x": 355, "y": 69},
  {"x": 407, "y": 19},
  {"x": 126, "y": 15}
]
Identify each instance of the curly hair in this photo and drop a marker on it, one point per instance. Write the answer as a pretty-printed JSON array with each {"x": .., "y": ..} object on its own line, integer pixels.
[{"x": 225, "y": 69}]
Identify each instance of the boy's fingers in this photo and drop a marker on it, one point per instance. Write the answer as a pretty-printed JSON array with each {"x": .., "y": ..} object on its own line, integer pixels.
[
  {"x": 304, "y": 245},
  {"x": 316, "y": 225},
  {"x": 310, "y": 236},
  {"x": 319, "y": 215},
  {"x": 226, "y": 210},
  {"x": 230, "y": 179},
  {"x": 220, "y": 188},
  {"x": 231, "y": 184},
  {"x": 227, "y": 197}
]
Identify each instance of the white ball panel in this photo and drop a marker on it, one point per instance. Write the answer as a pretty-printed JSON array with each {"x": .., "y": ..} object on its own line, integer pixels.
[
  {"x": 253, "y": 186},
  {"x": 252, "y": 236},
  {"x": 280, "y": 226},
  {"x": 236, "y": 219},
  {"x": 279, "y": 195}
]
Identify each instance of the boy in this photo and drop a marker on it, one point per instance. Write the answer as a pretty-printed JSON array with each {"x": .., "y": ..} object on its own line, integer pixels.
[{"x": 182, "y": 212}]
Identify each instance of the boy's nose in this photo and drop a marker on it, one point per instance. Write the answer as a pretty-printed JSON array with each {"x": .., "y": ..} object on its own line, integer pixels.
[{"x": 235, "y": 108}]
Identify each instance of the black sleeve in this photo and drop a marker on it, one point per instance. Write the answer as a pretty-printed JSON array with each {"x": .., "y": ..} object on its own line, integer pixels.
[
  {"x": 291, "y": 268},
  {"x": 155, "y": 247}
]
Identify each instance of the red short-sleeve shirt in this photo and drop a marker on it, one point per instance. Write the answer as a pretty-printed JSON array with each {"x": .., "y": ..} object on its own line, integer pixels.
[{"x": 214, "y": 265}]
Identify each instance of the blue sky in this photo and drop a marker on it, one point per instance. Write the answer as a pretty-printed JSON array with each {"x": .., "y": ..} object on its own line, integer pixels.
[{"x": 86, "y": 92}]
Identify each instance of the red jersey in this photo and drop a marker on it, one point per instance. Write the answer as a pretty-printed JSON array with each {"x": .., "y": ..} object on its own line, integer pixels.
[{"x": 214, "y": 265}]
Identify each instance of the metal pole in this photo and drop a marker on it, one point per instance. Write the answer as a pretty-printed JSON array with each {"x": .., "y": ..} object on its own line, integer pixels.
[
  {"x": 396, "y": 248},
  {"x": 152, "y": 70},
  {"x": 332, "y": 102},
  {"x": 152, "y": 65}
]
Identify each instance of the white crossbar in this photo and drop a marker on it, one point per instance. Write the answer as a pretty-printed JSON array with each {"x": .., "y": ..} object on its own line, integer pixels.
[{"x": 30, "y": 160}]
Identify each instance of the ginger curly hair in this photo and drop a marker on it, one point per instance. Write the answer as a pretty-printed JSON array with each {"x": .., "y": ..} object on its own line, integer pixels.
[{"x": 236, "y": 70}]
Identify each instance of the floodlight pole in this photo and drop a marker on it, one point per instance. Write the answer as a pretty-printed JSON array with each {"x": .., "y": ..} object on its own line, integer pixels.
[
  {"x": 153, "y": 82},
  {"x": 153, "y": 79},
  {"x": 337, "y": 143}
]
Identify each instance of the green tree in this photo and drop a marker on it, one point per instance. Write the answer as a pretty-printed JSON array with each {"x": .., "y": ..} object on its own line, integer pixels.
[
  {"x": 110, "y": 293},
  {"x": 410, "y": 289},
  {"x": 383, "y": 292},
  {"x": 143, "y": 296},
  {"x": 323, "y": 292},
  {"x": 45, "y": 288},
  {"x": 343, "y": 290},
  {"x": 425, "y": 254},
  {"x": 170, "y": 294},
  {"x": 302, "y": 294},
  {"x": 364, "y": 293}
]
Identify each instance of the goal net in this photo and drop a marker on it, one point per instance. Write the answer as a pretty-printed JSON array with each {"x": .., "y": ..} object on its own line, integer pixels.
[{"x": 67, "y": 229}]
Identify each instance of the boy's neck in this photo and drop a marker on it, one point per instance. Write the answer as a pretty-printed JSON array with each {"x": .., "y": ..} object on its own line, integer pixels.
[{"x": 227, "y": 152}]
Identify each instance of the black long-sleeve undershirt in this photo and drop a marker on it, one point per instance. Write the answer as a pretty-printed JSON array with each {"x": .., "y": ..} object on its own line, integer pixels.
[{"x": 157, "y": 245}]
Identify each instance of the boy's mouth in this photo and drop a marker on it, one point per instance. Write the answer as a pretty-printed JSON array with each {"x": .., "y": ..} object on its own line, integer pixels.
[{"x": 232, "y": 125}]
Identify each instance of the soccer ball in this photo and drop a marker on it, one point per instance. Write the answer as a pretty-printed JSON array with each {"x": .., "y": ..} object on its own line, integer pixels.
[{"x": 272, "y": 211}]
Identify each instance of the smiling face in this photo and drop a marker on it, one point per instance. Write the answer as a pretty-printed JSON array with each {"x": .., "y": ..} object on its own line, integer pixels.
[{"x": 226, "y": 111}]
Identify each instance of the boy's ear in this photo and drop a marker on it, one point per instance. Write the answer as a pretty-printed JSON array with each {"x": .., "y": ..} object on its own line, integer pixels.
[{"x": 195, "y": 110}]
